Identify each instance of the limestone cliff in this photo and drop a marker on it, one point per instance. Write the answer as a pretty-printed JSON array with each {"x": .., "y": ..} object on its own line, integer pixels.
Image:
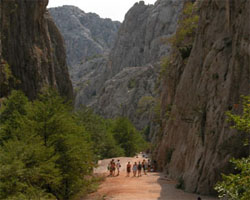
[
  {"x": 86, "y": 35},
  {"x": 140, "y": 38},
  {"x": 131, "y": 69},
  {"x": 32, "y": 48},
  {"x": 197, "y": 141}
]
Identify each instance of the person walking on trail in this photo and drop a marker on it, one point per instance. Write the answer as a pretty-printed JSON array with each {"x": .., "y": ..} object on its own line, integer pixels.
[
  {"x": 113, "y": 168},
  {"x": 139, "y": 167},
  {"x": 110, "y": 168},
  {"x": 144, "y": 166},
  {"x": 118, "y": 166},
  {"x": 135, "y": 169},
  {"x": 149, "y": 166},
  {"x": 128, "y": 169}
]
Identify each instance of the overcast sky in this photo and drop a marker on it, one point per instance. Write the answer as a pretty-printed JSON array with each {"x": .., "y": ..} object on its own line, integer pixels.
[{"x": 114, "y": 9}]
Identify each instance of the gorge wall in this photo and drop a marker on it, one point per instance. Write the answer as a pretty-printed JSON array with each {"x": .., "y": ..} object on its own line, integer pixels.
[
  {"x": 197, "y": 141},
  {"x": 113, "y": 84},
  {"x": 134, "y": 60},
  {"x": 32, "y": 49},
  {"x": 86, "y": 35}
]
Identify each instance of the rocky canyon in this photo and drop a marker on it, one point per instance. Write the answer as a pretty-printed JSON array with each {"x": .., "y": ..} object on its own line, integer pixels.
[
  {"x": 173, "y": 68},
  {"x": 32, "y": 49}
]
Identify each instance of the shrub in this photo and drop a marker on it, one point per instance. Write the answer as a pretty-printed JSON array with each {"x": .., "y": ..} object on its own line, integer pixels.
[
  {"x": 185, "y": 34},
  {"x": 237, "y": 186}
]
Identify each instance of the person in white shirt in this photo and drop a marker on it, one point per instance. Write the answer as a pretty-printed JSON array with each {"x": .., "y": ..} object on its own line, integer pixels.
[{"x": 118, "y": 166}]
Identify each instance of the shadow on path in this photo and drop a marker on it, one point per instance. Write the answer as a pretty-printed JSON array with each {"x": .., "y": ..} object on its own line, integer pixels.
[{"x": 170, "y": 192}]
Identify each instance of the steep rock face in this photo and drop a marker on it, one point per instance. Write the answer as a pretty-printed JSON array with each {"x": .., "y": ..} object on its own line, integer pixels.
[
  {"x": 197, "y": 136},
  {"x": 89, "y": 80},
  {"x": 86, "y": 34},
  {"x": 141, "y": 36},
  {"x": 122, "y": 93},
  {"x": 33, "y": 48},
  {"x": 139, "y": 46}
]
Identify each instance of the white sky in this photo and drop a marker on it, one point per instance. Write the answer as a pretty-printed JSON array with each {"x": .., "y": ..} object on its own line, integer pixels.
[{"x": 114, "y": 9}]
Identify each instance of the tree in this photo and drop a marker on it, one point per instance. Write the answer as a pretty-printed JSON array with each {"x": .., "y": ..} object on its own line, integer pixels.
[
  {"x": 99, "y": 130},
  {"x": 237, "y": 186},
  {"x": 26, "y": 165},
  {"x": 128, "y": 137},
  {"x": 44, "y": 151}
]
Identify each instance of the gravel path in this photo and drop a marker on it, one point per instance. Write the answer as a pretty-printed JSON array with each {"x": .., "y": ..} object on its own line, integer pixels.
[{"x": 153, "y": 186}]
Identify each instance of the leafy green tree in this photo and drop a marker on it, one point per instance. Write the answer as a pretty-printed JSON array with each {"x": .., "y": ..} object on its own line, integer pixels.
[
  {"x": 237, "y": 186},
  {"x": 26, "y": 165},
  {"x": 55, "y": 123},
  {"x": 47, "y": 150},
  {"x": 44, "y": 151},
  {"x": 12, "y": 110},
  {"x": 128, "y": 137},
  {"x": 99, "y": 129}
]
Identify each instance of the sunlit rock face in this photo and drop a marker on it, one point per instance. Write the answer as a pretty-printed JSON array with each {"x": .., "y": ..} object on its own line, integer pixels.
[
  {"x": 141, "y": 37},
  {"x": 33, "y": 48},
  {"x": 133, "y": 62},
  {"x": 86, "y": 34},
  {"x": 197, "y": 142},
  {"x": 104, "y": 82}
]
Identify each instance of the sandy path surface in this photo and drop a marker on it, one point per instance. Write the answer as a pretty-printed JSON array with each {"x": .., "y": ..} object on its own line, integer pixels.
[{"x": 153, "y": 186}]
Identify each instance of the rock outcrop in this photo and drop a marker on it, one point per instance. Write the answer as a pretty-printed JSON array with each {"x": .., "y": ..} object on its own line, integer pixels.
[
  {"x": 121, "y": 94},
  {"x": 33, "y": 47},
  {"x": 141, "y": 37},
  {"x": 86, "y": 35},
  {"x": 131, "y": 69},
  {"x": 197, "y": 142}
]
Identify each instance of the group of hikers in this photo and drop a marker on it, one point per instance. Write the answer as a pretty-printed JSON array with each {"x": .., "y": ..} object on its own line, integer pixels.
[
  {"x": 137, "y": 168},
  {"x": 113, "y": 166}
]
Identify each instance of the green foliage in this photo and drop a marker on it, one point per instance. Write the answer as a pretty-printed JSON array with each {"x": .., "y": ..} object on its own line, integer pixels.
[
  {"x": 128, "y": 137},
  {"x": 47, "y": 151},
  {"x": 237, "y": 186},
  {"x": 145, "y": 104},
  {"x": 131, "y": 84},
  {"x": 165, "y": 62},
  {"x": 101, "y": 136},
  {"x": 44, "y": 152},
  {"x": 184, "y": 37},
  {"x": 242, "y": 122},
  {"x": 7, "y": 71},
  {"x": 157, "y": 112}
]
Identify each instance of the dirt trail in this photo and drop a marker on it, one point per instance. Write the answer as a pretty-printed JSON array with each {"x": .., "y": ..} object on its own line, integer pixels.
[{"x": 153, "y": 186}]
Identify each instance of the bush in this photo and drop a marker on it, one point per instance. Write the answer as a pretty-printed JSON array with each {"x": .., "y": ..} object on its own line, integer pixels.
[
  {"x": 145, "y": 104},
  {"x": 185, "y": 34},
  {"x": 237, "y": 186}
]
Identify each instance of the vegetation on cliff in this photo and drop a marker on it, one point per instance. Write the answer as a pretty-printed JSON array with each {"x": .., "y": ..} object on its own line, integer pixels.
[
  {"x": 237, "y": 186},
  {"x": 48, "y": 151},
  {"x": 182, "y": 41}
]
